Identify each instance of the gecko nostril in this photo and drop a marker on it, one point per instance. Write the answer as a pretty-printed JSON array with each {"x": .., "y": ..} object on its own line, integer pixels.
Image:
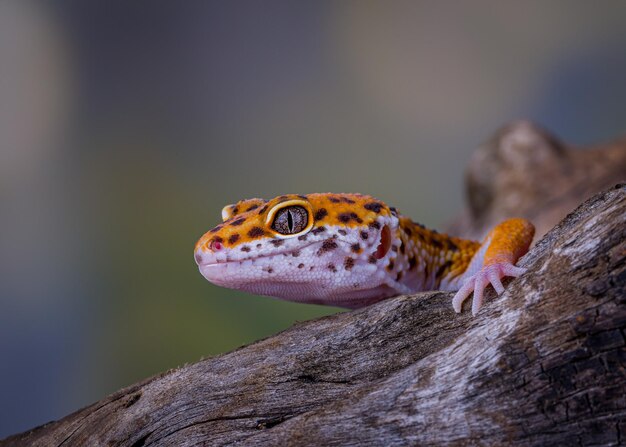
[{"x": 215, "y": 245}]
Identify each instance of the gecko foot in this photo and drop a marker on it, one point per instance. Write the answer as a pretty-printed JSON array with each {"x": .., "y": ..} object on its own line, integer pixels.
[{"x": 477, "y": 283}]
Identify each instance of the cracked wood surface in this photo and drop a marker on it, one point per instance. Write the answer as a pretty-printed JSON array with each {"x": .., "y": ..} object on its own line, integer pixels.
[{"x": 545, "y": 364}]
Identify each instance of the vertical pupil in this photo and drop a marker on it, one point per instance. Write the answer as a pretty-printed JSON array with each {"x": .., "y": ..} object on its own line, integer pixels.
[{"x": 290, "y": 221}]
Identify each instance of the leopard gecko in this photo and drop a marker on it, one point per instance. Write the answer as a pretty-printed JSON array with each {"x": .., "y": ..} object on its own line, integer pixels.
[{"x": 351, "y": 250}]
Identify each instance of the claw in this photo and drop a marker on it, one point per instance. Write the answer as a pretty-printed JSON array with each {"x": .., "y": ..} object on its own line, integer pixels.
[{"x": 477, "y": 283}]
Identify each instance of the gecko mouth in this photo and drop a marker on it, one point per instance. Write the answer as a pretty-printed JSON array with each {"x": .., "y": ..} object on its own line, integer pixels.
[{"x": 290, "y": 252}]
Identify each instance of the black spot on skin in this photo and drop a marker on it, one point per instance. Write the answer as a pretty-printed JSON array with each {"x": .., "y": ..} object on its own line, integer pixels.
[
  {"x": 302, "y": 237},
  {"x": 321, "y": 213},
  {"x": 245, "y": 248},
  {"x": 373, "y": 206},
  {"x": 452, "y": 246},
  {"x": 436, "y": 243},
  {"x": 402, "y": 247},
  {"x": 345, "y": 217},
  {"x": 332, "y": 267},
  {"x": 394, "y": 249},
  {"x": 356, "y": 248},
  {"x": 394, "y": 211},
  {"x": 441, "y": 270},
  {"x": 216, "y": 229},
  {"x": 318, "y": 230},
  {"x": 399, "y": 276},
  {"x": 262, "y": 210},
  {"x": 259, "y": 245},
  {"x": 311, "y": 268},
  {"x": 283, "y": 198},
  {"x": 412, "y": 263},
  {"x": 334, "y": 199},
  {"x": 390, "y": 265},
  {"x": 374, "y": 225},
  {"x": 347, "y": 200},
  {"x": 233, "y": 238},
  {"x": 372, "y": 259},
  {"x": 252, "y": 207},
  {"x": 217, "y": 239},
  {"x": 421, "y": 226},
  {"x": 408, "y": 231},
  {"x": 270, "y": 270},
  {"x": 300, "y": 266},
  {"x": 302, "y": 197},
  {"x": 235, "y": 210},
  {"x": 327, "y": 246},
  {"x": 295, "y": 254},
  {"x": 277, "y": 242},
  {"x": 364, "y": 235},
  {"x": 342, "y": 232},
  {"x": 256, "y": 232},
  {"x": 348, "y": 263}
]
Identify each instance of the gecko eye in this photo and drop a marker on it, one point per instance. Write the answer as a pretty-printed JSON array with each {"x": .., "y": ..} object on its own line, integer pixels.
[{"x": 290, "y": 220}]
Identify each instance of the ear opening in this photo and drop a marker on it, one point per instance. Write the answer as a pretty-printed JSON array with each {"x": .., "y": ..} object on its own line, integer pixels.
[{"x": 385, "y": 243}]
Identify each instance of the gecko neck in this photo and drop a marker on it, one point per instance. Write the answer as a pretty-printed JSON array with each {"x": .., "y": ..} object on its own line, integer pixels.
[{"x": 433, "y": 260}]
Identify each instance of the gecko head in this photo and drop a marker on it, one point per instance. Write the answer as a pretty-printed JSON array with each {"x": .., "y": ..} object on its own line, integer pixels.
[{"x": 316, "y": 248}]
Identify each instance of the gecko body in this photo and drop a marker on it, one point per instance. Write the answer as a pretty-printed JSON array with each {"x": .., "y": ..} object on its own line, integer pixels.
[{"x": 351, "y": 250}]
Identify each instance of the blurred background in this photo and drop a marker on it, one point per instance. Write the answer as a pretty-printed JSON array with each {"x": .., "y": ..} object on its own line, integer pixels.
[{"x": 126, "y": 126}]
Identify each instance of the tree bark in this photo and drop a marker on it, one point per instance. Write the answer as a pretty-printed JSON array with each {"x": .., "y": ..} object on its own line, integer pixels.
[{"x": 544, "y": 364}]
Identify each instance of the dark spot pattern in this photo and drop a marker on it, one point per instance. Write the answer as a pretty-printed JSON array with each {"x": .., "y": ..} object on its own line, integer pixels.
[
  {"x": 372, "y": 259},
  {"x": 321, "y": 213},
  {"x": 412, "y": 263},
  {"x": 347, "y": 217},
  {"x": 364, "y": 235},
  {"x": 436, "y": 243},
  {"x": 235, "y": 211},
  {"x": 373, "y": 206},
  {"x": 277, "y": 242},
  {"x": 327, "y": 245},
  {"x": 394, "y": 211},
  {"x": 270, "y": 270},
  {"x": 216, "y": 229},
  {"x": 332, "y": 267},
  {"x": 394, "y": 248},
  {"x": 262, "y": 210},
  {"x": 300, "y": 266},
  {"x": 259, "y": 245},
  {"x": 302, "y": 237},
  {"x": 374, "y": 225},
  {"x": 256, "y": 232},
  {"x": 252, "y": 207},
  {"x": 348, "y": 263},
  {"x": 218, "y": 239},
  {"x": 233, "y": 238},
  {"x": 399, "y": 275},
  {"x": 303, "y": 197},
  {"x": 318, "y": 230},
  {"x": 408, "y": 231},
  {"x": 334, "y": 199},
  {"x": 342, "y": 232},
  {"x": 347, "y": 200},
  {"x": 245, "y": 248},
  {"x": 295, "y": 253},
  {"x": 356, "y": 248},
  {"x": 390, "y": 265},
  {"x": 441, "y": 270},
  {"x": 402, "y": 247}
]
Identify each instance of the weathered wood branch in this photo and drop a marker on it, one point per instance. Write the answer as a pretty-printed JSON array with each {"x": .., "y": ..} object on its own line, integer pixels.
[{"x": 545, "y": 364}]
